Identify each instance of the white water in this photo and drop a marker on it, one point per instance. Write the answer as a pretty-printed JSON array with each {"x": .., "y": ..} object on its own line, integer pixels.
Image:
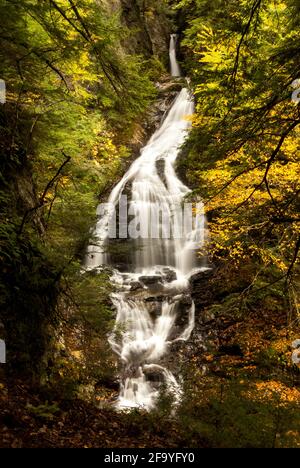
[
  {"x": 175, "y": 68},
  {"x": 140, "y": 339}
]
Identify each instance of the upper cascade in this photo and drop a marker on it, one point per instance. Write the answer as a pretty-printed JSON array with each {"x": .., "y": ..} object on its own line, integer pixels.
[{"x": 175, "y": 68}]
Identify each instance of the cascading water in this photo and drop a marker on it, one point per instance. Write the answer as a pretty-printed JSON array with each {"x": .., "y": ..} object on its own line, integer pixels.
[
  {"x": 159, "y": 266},
  {"x": 175, "y": 68}
]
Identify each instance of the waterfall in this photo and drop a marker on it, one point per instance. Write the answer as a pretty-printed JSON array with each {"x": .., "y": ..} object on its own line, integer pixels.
[
  {"x": 157, "y": 267},
  {"x": 175, "y": 68}
]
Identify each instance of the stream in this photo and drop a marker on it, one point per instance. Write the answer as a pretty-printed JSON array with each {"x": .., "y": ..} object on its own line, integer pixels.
[{"x": 148, "y": 234}]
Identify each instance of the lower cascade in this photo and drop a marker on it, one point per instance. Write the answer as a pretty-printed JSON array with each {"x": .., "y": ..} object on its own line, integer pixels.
[{"x": 152, "y": 254}]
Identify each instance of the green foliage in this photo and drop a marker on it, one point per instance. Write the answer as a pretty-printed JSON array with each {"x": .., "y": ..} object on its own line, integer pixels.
[
  {"x": 242, "y": 159},
  {"x": 242, "y": 154},
  {"x": 270, "y": 358},
  {"x": 236, "y": 418},
  {"x": 73, "y": 97},
  {"x": 29, "y": 292},
  {"x": 46, "y": 411}
]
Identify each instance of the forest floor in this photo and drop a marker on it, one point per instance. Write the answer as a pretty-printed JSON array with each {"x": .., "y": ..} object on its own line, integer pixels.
[
  {"x": 28, "y": 422},
  {"x": 244, "y": 399}
]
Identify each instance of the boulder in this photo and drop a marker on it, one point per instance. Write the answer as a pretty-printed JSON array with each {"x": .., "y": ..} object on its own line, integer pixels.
[
  {"x": 169, "y": 275},
  {"x": 150, "y": 280}
]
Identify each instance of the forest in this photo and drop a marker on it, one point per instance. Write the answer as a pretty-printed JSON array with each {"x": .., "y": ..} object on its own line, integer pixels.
[{"x": 146, "y": 345}]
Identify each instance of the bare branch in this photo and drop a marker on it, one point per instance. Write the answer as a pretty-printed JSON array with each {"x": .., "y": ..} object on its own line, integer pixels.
[
  {"x": 255, "y": 7},
  {"x": 294, "y": 259},
  {"x": 41, "y": 202},
  {"x": 268, "y": 164}
]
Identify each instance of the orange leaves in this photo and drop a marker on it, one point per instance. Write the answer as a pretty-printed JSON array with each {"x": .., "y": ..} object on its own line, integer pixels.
[{"x": 275, "y": 389}]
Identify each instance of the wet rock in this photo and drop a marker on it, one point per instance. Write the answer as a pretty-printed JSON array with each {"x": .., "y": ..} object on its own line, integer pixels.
[
  {"x": 175, "y": 349},
  {"x": 150, "y": 280},
  {"x": 127, "y": 191},
  {"x": 110, "y": 383},
  {"x": 186, "y": 300},
  {"x": 171, "y": 86},
  {"x": 160, "y": 167},
  {"x": 154, "y": 299},
  {"x": 202, "y": 293},
  {"x": 122, "y": 267},
  {"x": 183, "y": 308},
  {"x": 154, "y": 305},
  {"x": 159, "y": 109},
  {"x": 201, "y": 276},
  {"x": 175, "y": 333},
  {"x": 169, "y": 275},
  {"x": 153, "y": 375},
  {"x": 135, "y": 286}
]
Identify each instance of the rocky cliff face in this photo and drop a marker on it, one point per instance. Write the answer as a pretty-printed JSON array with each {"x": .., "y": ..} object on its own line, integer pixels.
[{"x": 149, "y": 25}]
